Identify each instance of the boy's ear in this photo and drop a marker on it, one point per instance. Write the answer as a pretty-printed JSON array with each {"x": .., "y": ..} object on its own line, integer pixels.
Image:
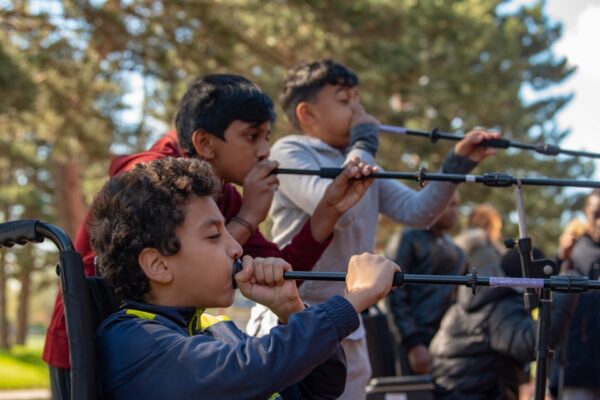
[
  {"x": 155, "y": 266},
  {"x": 203, "y": 144},
  {"x": 305, "y": 114}
]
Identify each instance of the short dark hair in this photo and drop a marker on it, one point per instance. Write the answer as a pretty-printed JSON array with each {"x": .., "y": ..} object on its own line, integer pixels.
[
  {"x": 304, "y": 82},
  {"x": 141, "y": 208},
  {"x": 213, "y": 102}
]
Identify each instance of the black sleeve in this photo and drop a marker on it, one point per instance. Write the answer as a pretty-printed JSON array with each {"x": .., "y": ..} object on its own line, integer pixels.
[
  {"x": 563, "y": 307},
  {"x": 512, "y": 330},
  {"x": 400, "y": 311}
]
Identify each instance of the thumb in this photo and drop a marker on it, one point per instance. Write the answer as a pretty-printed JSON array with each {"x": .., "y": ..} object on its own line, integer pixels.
[{"x": 243, "y": 278}]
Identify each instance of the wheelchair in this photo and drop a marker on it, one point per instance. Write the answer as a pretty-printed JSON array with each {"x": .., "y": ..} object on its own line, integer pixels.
[{"x": 87, "y": 301}]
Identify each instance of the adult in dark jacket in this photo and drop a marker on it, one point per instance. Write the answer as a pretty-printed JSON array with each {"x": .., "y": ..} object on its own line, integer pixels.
[
  {"x": 485, "y": 339},
  {"x": 415, "y": 311},
  {"x": 582, "y": 359}
]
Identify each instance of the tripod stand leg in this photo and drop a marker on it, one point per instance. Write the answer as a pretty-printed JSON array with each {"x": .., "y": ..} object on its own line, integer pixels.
[{"x": 543, "y": 352}]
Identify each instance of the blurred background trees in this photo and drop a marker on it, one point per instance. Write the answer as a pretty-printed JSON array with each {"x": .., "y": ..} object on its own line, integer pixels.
[{"x": 70, "y": 71}]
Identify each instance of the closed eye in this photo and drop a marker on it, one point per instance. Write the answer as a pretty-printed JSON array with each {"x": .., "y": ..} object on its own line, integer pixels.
[{"x": 344, "y": 99}]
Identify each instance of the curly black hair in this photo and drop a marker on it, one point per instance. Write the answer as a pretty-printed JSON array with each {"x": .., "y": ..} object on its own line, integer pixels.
[
  {"x": 303, "y": 82},
  {"x": 213, "y": 102},
  {"x": 142, "y": 208}
]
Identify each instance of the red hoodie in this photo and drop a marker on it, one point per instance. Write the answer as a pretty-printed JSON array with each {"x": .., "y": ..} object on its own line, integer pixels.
[{"x": 302, "y": 253}]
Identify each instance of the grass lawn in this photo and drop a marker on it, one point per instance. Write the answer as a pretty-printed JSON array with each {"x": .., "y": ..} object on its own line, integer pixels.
[{"x": 22, "y": 367}]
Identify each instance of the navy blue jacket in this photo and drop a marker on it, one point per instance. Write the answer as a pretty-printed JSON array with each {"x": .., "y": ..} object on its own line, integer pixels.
[
  {"x": 415, "y": 311},
  {"x": 153, "y": 352}
]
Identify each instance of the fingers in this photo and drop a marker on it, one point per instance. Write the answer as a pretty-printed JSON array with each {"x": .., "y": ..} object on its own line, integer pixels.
[
  {"x": 277, "y": 275},
  {"x": 259, "y": 270},
  {"x": 261, "y": 170},
  {"x": 350, "y": 186},
  {"x": 269, "y": 271},
  {"x": 356, "y": 106},
  {"x": 356, "y": 169},
  {"x": 260, "y": 181},
  {"x": 478, "y": 135},
  {"x": 469, "y": 145},
  {"x": 365, "y": 170},
  {"x": 360, "y": 116}
]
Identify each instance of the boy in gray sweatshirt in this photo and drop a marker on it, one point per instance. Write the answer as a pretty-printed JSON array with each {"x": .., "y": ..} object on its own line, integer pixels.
[{"x": 321, "y": 100}]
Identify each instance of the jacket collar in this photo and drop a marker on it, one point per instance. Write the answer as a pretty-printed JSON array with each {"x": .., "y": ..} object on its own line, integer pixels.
[{"x": 182, "y": 316}]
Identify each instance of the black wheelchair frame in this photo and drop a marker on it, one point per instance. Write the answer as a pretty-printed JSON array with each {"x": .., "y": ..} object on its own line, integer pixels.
[{"x": 87, "y": 302}]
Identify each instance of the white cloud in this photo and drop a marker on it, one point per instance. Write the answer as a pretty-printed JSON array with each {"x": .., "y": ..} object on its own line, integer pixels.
[{"x": 581, "y": 44}]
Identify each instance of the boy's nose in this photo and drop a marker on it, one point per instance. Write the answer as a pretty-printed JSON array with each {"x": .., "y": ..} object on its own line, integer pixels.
[
  {"x": 263, "y": 151},
  {"x": 236, "y": 250}
]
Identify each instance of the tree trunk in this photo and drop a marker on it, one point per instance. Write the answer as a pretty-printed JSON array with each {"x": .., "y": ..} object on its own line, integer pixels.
[
  {"x": 4, "y": 342},
  {"x": 26, "y": 266},
  {"x": 68, "y": 195}
]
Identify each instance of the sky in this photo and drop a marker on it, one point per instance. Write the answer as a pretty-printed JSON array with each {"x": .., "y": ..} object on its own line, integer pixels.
[{"x": 580, "y": 43}]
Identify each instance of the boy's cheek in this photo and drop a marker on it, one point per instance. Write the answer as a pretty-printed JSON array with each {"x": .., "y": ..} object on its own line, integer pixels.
[
  {"x": 246, "y": 169},
  {"x": 237, "y": 177},
  {"x": 243, "y": 168},
  {"x": 223, "y": 301},
  {"x": 230, "y": 299}
]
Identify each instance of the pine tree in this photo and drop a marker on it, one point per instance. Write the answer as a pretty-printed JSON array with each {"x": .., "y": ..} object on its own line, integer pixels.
[
  {"x": 452, "y": 65},
  {"x": 58, "y": 116}
]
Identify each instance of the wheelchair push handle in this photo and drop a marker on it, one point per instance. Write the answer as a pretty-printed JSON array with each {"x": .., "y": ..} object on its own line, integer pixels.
[{"x": 30, "y": 230}]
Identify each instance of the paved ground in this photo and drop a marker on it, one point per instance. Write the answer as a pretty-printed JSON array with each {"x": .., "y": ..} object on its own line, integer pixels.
[{"x": 32, "y": 394}]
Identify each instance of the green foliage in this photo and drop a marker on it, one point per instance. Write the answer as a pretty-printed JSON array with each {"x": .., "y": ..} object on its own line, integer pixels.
[
  {"x": 18, "y": 89},
  {"x": 58, "y": 103},
  {"x": 22, "y": 367}
]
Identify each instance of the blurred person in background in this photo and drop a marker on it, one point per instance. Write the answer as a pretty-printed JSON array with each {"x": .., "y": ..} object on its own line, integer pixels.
[
  {"x": 581, "y": 355},
  {"x": 415, "y": 311},
  {"x": 486, "y": 340},
  {"x": 481, "y": 241}
]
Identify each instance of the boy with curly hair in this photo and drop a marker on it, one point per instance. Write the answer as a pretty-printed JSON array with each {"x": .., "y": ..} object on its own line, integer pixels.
[{"x": 162, "y": 243}]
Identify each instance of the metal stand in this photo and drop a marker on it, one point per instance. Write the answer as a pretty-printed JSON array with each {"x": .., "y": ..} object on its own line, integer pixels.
[
  {"x": 543, "y": 352},
  {"x": 530, "y": 300},
  {"x": 525, "y": 249}
]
